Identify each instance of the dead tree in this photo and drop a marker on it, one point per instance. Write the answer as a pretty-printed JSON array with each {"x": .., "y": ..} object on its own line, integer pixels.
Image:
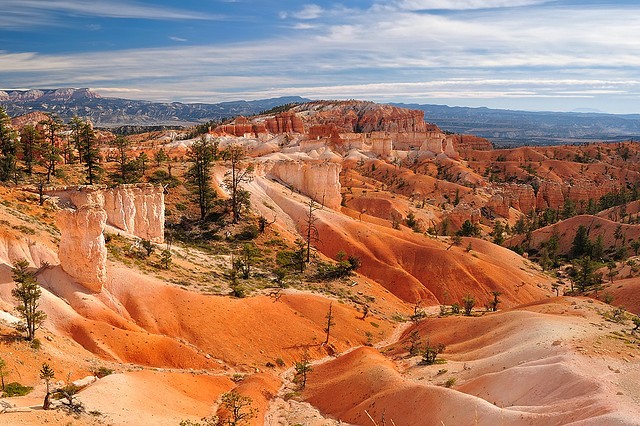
[
  {"x": 330, "y": 323},
  {"x": 310, "y": 229}
]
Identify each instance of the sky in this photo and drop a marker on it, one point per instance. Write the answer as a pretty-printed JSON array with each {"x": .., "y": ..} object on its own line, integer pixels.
[{"x": 553, "y": 55}]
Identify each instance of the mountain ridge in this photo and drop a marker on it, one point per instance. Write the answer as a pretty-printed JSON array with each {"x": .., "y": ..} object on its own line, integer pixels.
[
  {"x": 500, "y": 126},
  {"x": 116, "y": 112}
]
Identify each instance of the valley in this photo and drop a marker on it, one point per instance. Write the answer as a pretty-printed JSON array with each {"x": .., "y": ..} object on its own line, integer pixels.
[{"x": 331, "y": 262}]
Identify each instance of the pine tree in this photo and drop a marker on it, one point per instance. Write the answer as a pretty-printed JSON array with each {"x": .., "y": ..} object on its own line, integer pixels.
[
  {"x": 201, "y": 154},
  {"x": 238, "y": 174},
  {"x": 47, "y": 374},
  {"x": 51, "y": 151},
  {"x": 76, "y": 125},
  {"x": 8, "y": 147},
  {"x": 27, "y": 292},
  {"x": 330, "y": 323},
  {"x": 127, "y": 170},
  {"x": 30, "y": 142},
  {"x": 90, "y": 153}
]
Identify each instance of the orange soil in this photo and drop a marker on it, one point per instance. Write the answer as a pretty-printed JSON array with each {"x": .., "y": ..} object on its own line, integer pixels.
[
  {"x": 523, "y": 366},
  {"x": 626, "y": 293},
  {"x": 415, "y": 267},
  {"x": 566, "y": 230}
]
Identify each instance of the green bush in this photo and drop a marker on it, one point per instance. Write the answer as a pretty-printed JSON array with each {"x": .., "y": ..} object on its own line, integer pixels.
[
  {"x": 344, "y": 267},
  {"x": 101, "y": 372},
  {"x": 15, "y": 389}
]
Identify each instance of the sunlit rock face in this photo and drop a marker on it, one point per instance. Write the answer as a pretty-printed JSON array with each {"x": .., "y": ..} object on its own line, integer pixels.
[
  {"x": 137, "y": 208},
  {"x": 82, "y": 251}
]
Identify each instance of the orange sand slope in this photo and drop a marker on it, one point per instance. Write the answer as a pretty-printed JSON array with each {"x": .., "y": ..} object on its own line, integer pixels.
[
  {"x": 415, "y": 267},
  {"x": 523, "y": 366},
  {"x": 566, "y": 231}
]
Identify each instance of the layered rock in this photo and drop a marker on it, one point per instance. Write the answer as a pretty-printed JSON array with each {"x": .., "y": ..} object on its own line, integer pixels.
[
  {"x": 466, "y": 142},
  {"x": 285, "y": 122},
  {"x": 461, "y": 213},
  {"x": 33, "y": 118},
  {"x": 137, "y": 208},
  {"x": 363, "y": 117},
  {"x": 319, "y": 180},
  {"x": 521, "y": 197},
  {"x": 82, "y": 251},
  {"x": 241, "y": 127}
]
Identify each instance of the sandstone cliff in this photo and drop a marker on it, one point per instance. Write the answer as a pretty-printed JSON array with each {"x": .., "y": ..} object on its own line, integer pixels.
[
  {"x": 465, "y": 142},
  {"x": 33, "y": 118},
  {"x": 285, "y": 122},
  {"x": 82, "y": 251},
  {"x": 137, "y": 208},
  {"x": 363, "y": 117},
  {"x": 319, "y": 180}
]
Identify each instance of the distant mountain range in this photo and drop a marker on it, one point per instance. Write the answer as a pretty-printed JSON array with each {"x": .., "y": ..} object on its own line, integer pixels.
[
  {"x": 507, "y": 127},
  {"x": 116, "y": 112},
  {"x": 502, "y": 127}
]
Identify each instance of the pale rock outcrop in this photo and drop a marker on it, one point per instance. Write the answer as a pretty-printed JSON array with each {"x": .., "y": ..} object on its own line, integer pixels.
[
  {"x": 450, "y": 150},
  {"x": 136, "y": 208},
  {"x": 521, "y": 197},
  {"x": 319, "y": 180},
  {"x": 82, "y": 250},
  {"x": 382, "y": 146}
]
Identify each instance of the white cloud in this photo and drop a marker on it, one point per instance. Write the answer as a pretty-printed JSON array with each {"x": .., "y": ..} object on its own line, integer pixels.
[
  {"x": 464, "y": 4},
  {"x": 304, "y": 26},
  {"x": 23, "y": 14},
  {"x": 310, "y": 11},
  {"x": 542, "y": 52},
  {"x": 178, "y": 39}
]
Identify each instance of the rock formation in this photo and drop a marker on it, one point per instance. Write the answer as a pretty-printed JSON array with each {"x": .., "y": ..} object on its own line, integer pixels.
[
  {"x": 519, "y": 196},
  {"x": 137, "y": 208},
  {"x": 82, "y": 250},
  {"x": 319, "y": 180},
  {"x": 33, "y": 118},
  {"x": 464, "y": 142},
  {"x": 363, "y": 117},
  {"x": 241, "y": 127},
  {"x": 285, "y": 122}
]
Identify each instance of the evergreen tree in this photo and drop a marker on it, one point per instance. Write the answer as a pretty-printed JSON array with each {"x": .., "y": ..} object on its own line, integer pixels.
[
  {"x": 51, "y": 151},
  {"x": 76, "y": 125},
  {"x": 27, "y": 292},
  {"x": 201, "y": 155},
  {"x": 127, "y": 170},
  {"x": 47, "y": 374},
  {"x": 238, "y": 174},
  {"x": 581, "y": 245},
  {"x": 90, "y": 153},
  {"x": 8, "y": 147},
  {"x": 30, "y": 142},
  {"x": 583, "y": 274}
]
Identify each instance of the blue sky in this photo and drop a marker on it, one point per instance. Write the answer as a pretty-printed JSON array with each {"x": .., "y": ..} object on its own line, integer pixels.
[{"x": 557, "y": 55}]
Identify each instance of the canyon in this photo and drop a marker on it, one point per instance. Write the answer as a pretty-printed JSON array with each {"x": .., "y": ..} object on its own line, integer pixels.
[{"x": 414, "y": 208}]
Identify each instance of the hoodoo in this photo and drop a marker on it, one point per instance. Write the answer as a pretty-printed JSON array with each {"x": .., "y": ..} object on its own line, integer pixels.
[{"x": 82, "y": 250}]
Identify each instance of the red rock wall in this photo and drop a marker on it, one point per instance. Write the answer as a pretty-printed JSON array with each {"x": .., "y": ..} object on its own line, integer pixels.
[{"x": 286, "y": 122}]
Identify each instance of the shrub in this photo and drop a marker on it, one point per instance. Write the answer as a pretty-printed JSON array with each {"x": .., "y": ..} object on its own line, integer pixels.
[
  {"x": 101, "y": 372},
  {"x": 15, "y": 389},
  {"x": 469, "y": 302},
  {"x": 344, "y": 267},
  {"x": 430, "y": 353}
]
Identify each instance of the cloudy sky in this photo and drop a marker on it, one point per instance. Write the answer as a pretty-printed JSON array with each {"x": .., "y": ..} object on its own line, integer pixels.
[{"x": 558, "y": 55}]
